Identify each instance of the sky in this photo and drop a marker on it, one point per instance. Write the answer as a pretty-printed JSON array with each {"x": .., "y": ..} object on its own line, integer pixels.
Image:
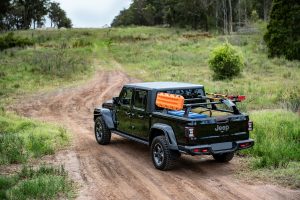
[{"x": 92, "y": 13}]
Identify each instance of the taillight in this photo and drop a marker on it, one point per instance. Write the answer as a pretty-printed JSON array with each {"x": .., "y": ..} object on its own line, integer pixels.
[
  {"x": 245, "y": 145},
  {"x": 237, "y": 98},
  {"x": 250, "y": 126},
  {"x": 189, "y": 132},
  {"x": 204, "y": 150},
  {"x": 241, "y": 98},
  {"x": 197, "y": 150}
]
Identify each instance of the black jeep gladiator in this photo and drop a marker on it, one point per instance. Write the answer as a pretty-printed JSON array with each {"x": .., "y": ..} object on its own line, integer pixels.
[{"x": 174, "y": 118}]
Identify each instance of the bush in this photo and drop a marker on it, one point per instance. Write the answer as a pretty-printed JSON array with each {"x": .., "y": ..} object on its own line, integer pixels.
[
  {"x": 10, "y": 40},
  {"x": 226, "y": 62}
]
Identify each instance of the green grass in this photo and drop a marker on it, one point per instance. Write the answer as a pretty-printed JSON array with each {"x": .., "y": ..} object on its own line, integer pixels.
[
  {"x": 46, "y": 182},
  {"x": 53, "y": 61},
  {"x": 277, "y": 138},
  {"x": 22, "y": 139},
  {"x": 276, "y": 153}
]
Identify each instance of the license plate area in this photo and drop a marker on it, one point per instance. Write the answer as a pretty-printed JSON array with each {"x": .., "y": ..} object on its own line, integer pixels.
[{"x": 221, "y": 146}]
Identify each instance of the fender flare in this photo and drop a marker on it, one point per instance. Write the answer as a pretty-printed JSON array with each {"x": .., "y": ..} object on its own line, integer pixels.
[
  {"x": 168, "y": 132},
  {"x": 107, "y": 116}
]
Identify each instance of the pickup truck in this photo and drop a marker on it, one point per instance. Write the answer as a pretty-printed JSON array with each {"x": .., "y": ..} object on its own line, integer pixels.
[{"x": 175, "y": 118}]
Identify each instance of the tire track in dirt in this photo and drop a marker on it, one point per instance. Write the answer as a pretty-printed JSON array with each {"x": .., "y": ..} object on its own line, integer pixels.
[{"x": 123, "y": 169}]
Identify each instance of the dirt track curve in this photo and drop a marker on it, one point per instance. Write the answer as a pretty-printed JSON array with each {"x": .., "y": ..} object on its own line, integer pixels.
[{"x": 123, "y": 169}]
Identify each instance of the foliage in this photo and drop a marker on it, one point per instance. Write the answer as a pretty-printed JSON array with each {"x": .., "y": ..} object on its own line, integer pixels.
[
  {"x": 283, "y": 34},
  {"x": 27, "y": 13},
  {"x": 46, "y": 182},
  {"x": 58, "y": 16},
  {"x": 226, "y": 15},
  {"x": 226, "y": 62},
  {"x": 10, "y": 40},
  {"x": 22, "y": 138},
  {"x": 276, "y": 135}
]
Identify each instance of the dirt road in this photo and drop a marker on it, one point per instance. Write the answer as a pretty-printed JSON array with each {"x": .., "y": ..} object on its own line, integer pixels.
[{"x": 123, "y": 169}]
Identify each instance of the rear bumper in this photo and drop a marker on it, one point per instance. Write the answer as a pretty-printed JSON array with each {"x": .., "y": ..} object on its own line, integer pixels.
[{"x": 217, "y": 148}]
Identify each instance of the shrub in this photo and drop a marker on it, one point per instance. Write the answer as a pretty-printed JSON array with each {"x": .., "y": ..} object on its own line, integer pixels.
[
  {"x": 10, "y": 40},
  {"x": 226, "y": 62}
]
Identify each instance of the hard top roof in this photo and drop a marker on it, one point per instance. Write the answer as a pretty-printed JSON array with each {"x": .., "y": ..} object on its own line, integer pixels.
[{"x": 163, "y": 85}]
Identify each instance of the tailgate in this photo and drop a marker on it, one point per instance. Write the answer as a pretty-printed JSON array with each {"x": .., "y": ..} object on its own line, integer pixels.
[{"x": 221, "y": 130}]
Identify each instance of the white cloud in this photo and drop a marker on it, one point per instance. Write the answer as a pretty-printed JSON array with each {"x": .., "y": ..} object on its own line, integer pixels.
[{"x": 93, "y": 13}]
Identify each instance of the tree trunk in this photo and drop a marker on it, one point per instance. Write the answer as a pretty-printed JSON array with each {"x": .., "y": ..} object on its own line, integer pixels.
[
  {"x": 224, "y": 17},
  {"x": 230, "y": 17},
  {"x": 206, "y": 22},
  {"x": 246, "y": 13},
  {"x": 239, "y": 12},
  {"x": 217, "y": 9}
]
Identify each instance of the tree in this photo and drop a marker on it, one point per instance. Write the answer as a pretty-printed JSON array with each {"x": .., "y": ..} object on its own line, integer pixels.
[
  {"x": 53, "y": 13},
  {"x": 204, "y": 14},
  {"x": 39, "y": 10},
  {"x": 4, "y": 9},
  {"x": 58, "y": 16},
  {"x": 283, "y": 30}
]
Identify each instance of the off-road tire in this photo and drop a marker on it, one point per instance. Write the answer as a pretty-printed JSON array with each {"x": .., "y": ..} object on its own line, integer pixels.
[
  {"x": 169, "y": 156},
  {"x": 223, "y": 157},
  {"x": 102, "y": 133}
]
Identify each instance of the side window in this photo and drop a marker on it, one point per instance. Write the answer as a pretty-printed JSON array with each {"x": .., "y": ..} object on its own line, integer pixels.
[
  {"x": 125, "y": 96},
  {"x": 140, "y": 99}
]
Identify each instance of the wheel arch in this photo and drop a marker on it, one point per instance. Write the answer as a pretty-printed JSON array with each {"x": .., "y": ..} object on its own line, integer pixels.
[
  {"x": 166, "y": 130},
  {"x": 107, "y": 116}
]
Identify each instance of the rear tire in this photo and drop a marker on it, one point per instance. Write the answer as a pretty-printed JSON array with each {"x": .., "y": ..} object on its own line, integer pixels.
[
  {"x": 223, "y": 157},
  {"x": 102, "y": 133},
  {"x": 163, "y": 158}
]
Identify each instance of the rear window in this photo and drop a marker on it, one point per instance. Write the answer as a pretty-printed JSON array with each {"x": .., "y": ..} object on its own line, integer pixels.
[{"x": 187, "y": 93}]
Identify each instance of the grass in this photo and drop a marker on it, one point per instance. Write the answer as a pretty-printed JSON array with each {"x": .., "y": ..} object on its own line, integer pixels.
[
  {"x": 22, "y": 139},
  {"x": 277, "y": 137},
  {"x": 276, "y": 153},
  {"x": 53, "y": 62},
  {"x": 46, "y": 182}
]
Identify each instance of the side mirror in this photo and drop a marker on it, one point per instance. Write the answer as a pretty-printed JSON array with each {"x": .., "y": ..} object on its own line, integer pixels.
[{"x": 116, "y": 100}]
